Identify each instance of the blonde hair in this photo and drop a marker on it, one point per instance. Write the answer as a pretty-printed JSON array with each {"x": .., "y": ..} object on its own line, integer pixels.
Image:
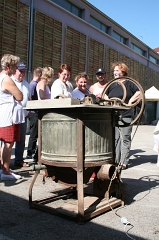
[
  {"x": 81, "y": 76},
  {"x": 122, "y": 66},
  {"x": 47, "y": 73},
  {"x": 9, "y": 59}
]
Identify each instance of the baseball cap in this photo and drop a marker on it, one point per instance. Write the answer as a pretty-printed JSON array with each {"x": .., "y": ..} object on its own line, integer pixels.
[
  {"x": 101, "y": 70},
  {"x": 21, "y": 66}
]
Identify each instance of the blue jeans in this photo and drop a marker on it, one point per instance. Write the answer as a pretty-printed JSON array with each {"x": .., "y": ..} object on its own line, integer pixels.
[{"x": 20, "y": 146}]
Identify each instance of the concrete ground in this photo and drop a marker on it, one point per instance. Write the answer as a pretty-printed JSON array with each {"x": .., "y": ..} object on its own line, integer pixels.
[{"x": 141, "y": 181}]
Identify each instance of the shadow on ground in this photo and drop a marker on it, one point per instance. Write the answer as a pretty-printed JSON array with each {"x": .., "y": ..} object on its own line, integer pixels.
[{"x": 17, "y": 221}]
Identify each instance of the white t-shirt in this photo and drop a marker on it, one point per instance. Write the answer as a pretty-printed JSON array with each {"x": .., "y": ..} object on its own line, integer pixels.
[
  {"x": 58, "y": 87},
  {"x": 24, "y": 88},
  {"x": 10, "y": 109}
]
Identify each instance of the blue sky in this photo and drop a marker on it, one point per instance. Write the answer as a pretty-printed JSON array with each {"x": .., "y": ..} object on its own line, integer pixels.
[{"x": 139, "y": 17}]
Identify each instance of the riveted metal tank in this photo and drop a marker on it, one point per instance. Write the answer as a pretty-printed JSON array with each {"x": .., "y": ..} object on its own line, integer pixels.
[{"x": 59, "y": 136}]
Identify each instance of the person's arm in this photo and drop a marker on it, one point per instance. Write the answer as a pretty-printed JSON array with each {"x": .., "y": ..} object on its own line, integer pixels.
[
  {"x": 31, "y": 89},
  {"x": 56, "y": 89},
  {"x": 9, "y": 85},
  {"x": 134, "y": 98},
  {"x": 41, "y": 89}
]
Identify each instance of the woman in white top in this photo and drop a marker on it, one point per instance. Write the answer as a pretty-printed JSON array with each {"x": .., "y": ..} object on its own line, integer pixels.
[
  {"x": 10, "y": 112},
  {"x": 60, "y": 87},
  {"x": 81, "y": 90}
]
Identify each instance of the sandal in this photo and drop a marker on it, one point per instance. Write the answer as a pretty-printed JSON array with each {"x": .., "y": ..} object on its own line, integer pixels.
[{"x": 21, "y": 164}]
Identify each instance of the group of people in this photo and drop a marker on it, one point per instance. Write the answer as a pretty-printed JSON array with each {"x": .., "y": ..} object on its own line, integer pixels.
[{"x": 15, "y": 91}]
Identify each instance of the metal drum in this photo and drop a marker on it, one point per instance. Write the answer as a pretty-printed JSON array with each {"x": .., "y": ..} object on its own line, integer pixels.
[{"x": 59, "y": 136}]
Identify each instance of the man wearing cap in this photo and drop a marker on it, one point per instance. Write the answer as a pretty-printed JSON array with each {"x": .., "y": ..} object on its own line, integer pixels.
[
  {"x": 98, "y": 87},
  {"x": 23, "y": 86}
]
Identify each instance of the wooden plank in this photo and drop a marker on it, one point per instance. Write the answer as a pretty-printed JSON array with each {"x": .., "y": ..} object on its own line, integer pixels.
[
  {"x": 93, "y": 206},
  {"x": 80, "y": 169}
]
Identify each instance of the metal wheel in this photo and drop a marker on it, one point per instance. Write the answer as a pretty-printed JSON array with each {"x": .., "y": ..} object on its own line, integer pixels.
[{"x": 140, "y": 101}]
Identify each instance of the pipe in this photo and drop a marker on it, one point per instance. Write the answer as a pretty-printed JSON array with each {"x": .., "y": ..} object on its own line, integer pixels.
[
  {"x": 106, "y": 172},
  {"x": 38, "y": 167},
  {"x": 31, "y": 33}
]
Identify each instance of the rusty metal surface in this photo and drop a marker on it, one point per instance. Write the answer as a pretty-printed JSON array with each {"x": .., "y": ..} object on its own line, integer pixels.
[{"x": 106, "y": 171}]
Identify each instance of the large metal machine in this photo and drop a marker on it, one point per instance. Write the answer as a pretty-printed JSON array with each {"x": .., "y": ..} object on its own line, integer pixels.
[{"x": 75, "y": 139}]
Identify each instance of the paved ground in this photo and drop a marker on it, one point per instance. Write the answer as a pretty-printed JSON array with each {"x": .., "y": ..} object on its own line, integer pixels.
[{"x": 141, "y": 209}]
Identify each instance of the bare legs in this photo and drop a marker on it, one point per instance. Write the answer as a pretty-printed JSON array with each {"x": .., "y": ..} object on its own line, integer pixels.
[{"x": 6, "y": 152}]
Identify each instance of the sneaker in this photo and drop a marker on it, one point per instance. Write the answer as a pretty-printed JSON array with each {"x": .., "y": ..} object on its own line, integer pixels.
[{"x": 9, "y": 177}]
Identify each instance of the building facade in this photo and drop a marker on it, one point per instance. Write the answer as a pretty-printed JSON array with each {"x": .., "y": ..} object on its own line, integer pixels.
[
  {"x": 156, "y": 50},
  {"x": 51, "y": 32}
]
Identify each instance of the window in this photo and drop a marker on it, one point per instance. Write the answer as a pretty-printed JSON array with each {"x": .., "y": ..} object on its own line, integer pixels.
[
  {"x": 152, "y": 59},
  {"x": 137, "y": 49},
  {"x": 119, "y": 38},
  {"x": 98, "y": 24},
  {"x": 69, "y": 7}
]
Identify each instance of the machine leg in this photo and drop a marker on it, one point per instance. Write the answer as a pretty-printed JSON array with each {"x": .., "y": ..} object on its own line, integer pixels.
[
  {"x": 31, "y": 187},
  {"x": 80, "y": 161}
]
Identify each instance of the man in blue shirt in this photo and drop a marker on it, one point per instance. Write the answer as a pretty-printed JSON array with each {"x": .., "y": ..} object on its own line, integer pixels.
[{"x": 33, "y": 116}]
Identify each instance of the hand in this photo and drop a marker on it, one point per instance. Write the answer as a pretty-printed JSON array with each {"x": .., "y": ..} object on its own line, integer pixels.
[{"x": 98, "y": 95}]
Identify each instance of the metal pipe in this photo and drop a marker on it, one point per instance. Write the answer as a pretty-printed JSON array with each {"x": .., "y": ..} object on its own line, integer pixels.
[
  {"x": 38, "y": 167},
  {"x": 30, "y": 48},
  {"x": 106, "y": 172}
]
